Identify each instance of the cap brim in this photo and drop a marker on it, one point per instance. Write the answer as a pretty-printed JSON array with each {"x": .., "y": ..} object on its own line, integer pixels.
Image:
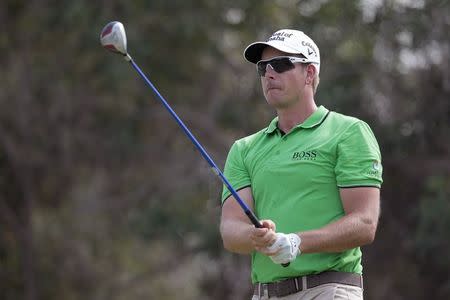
[{"x": 253, "y": 52}]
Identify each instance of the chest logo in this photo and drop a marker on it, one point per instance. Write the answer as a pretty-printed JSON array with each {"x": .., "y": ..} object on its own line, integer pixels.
[{"x": 304, "y": 155}]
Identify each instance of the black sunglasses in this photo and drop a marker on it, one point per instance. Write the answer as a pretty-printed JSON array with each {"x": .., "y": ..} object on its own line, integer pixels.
[{"x": 280, "y": 64}]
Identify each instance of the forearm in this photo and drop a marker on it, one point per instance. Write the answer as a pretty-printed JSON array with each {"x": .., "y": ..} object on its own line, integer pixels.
[
  {"x": 236, "y": 236},
  {"x": 350, "y": 231}
]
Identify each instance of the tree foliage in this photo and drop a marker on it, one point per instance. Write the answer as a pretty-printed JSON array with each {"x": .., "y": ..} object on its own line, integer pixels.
[{"x": 103, "y": 197}]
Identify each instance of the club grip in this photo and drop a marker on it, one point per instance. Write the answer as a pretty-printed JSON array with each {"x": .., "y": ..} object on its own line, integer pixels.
[{"x": 253, "y": 218}]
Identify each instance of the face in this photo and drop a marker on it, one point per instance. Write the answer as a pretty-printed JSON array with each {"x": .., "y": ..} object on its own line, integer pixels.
[{"x": 282, "y": 90}]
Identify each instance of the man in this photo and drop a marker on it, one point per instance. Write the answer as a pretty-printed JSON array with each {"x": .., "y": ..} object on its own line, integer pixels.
[{"x": 312, "y": 176}]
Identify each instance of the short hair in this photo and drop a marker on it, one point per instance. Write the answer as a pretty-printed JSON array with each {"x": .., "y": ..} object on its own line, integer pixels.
[
  {"x": 316, "y": 81},
  {"x": 316, "y": 78}
]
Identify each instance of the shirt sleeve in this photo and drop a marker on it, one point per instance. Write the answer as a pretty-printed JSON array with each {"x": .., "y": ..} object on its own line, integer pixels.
[
  {"x": 235, "y": 171},
  {"x": 358, "y": 158}
]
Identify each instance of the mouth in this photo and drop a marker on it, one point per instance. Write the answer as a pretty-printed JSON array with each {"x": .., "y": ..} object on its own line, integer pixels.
[{"x": 272, "y": 87}]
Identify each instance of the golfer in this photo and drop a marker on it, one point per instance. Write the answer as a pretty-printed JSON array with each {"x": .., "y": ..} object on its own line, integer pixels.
[{"x": 313, "y": 178}]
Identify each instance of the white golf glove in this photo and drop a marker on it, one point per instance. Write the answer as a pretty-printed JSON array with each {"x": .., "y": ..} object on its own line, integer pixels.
[{"x": 287, "y": 246}]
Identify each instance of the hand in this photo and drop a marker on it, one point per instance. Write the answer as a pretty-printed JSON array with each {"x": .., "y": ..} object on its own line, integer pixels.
[
  {"x": 263, "y": 237},
  {"x": 285, "y": 249}
]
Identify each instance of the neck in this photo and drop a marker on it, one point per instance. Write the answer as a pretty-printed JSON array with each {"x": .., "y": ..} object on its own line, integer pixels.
[{"x": 290, "y": 117}]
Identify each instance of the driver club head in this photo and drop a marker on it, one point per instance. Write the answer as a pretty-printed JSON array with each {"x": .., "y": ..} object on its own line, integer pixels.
[{"x": 113, "y": 38}]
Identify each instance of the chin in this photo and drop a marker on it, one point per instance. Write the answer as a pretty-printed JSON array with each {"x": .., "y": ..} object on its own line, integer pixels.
[
  {"x": 271, "y": 98},
  {"x": 278, "y": 103}
]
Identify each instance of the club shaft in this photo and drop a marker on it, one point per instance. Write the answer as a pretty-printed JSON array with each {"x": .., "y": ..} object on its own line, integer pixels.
[{"x": 200, "y": 148}]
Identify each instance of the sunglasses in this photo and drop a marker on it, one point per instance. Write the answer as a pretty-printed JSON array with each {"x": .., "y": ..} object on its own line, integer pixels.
[{"x": 279, "y": 64}]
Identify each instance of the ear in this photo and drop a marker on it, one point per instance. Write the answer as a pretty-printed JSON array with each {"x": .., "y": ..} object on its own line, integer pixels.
[{"x": 310, "y": 73}]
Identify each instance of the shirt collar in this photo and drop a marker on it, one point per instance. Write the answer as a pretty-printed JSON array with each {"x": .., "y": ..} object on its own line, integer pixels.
[
  {"x": 316, "y": 118},
  {"x": 272, "y": 126},
  {"x": 313, "y": 120}
]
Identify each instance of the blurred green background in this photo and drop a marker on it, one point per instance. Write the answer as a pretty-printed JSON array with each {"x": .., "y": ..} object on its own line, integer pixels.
[{"x": 103, "y": 197}]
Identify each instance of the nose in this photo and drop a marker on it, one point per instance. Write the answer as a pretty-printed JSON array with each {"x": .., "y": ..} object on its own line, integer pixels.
[{"x": 269, "y": 71}]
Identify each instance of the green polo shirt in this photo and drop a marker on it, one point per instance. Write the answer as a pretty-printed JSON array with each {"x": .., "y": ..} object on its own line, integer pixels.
[{"x": 295, "y": 180}]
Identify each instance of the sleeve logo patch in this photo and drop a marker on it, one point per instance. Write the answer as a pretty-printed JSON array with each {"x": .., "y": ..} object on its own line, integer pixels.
[
  {"x": 376, "y": 165},
  {"x": 375, "y": 169}
]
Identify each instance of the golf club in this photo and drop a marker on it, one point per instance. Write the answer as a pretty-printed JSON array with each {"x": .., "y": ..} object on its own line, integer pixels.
[{"x": 113, "y": 38}]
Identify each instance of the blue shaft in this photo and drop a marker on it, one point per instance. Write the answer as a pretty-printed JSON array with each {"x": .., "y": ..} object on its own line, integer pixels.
[{"x": 205, "y": 155}]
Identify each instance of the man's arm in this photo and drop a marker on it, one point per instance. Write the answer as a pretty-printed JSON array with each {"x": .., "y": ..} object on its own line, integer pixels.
[
  {"x": 239, "y": 235},
  {"x": 356, "y": 228}
]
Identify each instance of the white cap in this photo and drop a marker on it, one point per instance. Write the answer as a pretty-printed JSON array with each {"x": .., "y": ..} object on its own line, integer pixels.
[{"x": 289, "y": 41}]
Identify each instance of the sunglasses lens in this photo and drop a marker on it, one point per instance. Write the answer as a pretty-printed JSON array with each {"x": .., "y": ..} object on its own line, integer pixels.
[
  {"x": 280, "y": 65},
  {"x": 261, "y": 67}
]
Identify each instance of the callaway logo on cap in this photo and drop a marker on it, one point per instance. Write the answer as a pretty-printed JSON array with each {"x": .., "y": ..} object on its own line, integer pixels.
[{"x": 289, "y": 41}]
